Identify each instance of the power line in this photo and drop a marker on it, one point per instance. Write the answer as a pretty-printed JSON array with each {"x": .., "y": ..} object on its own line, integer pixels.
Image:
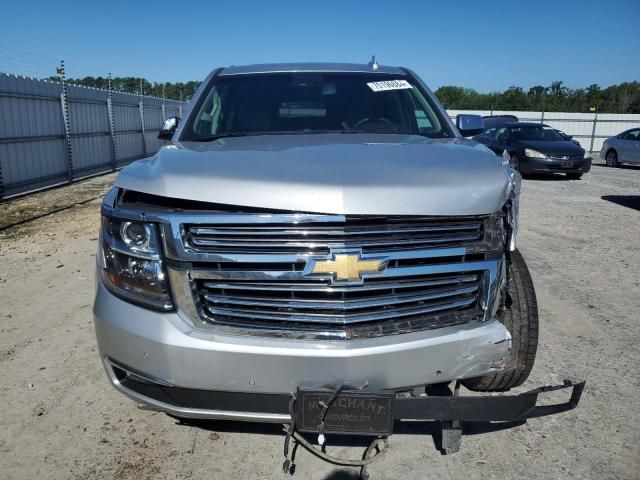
[
  {"x": 23, "y": 61},
  {"x": 22, "y": 53},
  {"x": 26, "y": 60},
  {"x": 22, "y": 70}
]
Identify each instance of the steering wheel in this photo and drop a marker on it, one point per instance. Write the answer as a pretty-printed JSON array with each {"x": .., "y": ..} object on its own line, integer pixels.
[{"x": 365, "y": 120}]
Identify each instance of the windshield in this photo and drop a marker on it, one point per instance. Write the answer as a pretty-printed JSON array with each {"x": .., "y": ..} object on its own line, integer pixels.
[
  {"x": 535, "y": 132},
  {"x": 277, "y": 103}
]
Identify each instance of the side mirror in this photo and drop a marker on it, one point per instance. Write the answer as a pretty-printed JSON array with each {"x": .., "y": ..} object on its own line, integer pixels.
[
  {"x": 169, "y": 128},
  {"x": 469, "y": 125}
]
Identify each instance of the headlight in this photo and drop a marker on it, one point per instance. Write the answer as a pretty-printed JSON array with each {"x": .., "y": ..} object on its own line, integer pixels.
[
  {"x": 131, "y": 264},
  {"x": 533, "y": 153}
]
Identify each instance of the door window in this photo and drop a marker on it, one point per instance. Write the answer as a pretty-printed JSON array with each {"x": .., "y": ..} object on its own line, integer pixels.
[
  {"x": 632, "y": 135},
  {"x": 490, "y": 133},
  {"x": 502, "y": 134}
]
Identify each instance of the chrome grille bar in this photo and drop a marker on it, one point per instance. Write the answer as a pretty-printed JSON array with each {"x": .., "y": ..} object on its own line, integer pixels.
[
  {"x": 323, "y": 287},
  {"x": 319, "y": 304},
  {"x": 377, "y": 233},
  {"x": 292, "y": 275},
  {"x": 278, "y": 244},
  {"x": 339, "y": 319},
  {"x": 243, "y": 231}
]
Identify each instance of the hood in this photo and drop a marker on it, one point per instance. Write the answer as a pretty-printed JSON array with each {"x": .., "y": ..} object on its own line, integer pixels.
[
  {"x": 329, "y": 173},
  {"x": 557, "y": 148}
]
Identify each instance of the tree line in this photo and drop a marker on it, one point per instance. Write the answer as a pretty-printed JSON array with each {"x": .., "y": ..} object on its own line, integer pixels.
[
  {"x": 172, "y": 91},
  {"x": 557, "y": 97},
  {"x": 621, "y": 98}
]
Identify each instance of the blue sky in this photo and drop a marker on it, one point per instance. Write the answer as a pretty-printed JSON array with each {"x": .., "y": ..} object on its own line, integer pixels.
[{"x": 486, "y": 45}]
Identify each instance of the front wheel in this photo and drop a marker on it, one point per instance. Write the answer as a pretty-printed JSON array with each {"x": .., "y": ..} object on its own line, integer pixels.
[{"x": 521, "y": 320}]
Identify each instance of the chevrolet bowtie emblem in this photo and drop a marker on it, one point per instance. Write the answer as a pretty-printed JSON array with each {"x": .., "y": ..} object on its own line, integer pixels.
[{"x": 346, "y": 266}]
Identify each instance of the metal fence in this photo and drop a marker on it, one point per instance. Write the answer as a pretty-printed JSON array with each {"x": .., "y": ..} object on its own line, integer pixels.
[
  {"x": 52, "y": 134},
  {"x": 590, "y": 129}
]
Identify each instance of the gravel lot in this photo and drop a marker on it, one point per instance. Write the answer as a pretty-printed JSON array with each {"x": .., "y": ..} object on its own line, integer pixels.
[{"x": 61, "y": 419}]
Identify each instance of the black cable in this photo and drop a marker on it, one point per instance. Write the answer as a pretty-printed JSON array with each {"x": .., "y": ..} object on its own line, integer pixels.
[{"x": 379, "y": 445}]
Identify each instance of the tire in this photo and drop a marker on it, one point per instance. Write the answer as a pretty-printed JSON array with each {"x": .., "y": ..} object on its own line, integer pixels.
[
  {"x": 522, "y": 322},
  {"x": 574, "y": 176},
  {"x": 612, "y": 159}
]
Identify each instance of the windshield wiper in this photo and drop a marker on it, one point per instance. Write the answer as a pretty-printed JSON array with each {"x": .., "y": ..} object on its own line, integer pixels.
[{"x": 213, "y": 138}]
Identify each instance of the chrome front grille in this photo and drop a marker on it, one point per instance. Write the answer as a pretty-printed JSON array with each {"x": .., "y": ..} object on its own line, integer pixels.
[
  {"x": 290, "y": 304},
  {"x": 253, "y": 274},
  {"x": 370, "y": 233}
]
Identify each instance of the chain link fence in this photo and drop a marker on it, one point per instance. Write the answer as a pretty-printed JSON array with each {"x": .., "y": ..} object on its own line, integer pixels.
[{"x": 53, "y": 133}]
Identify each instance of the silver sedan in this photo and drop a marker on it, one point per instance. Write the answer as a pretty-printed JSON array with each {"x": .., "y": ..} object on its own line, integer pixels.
[{"x": 623, "y": 148}]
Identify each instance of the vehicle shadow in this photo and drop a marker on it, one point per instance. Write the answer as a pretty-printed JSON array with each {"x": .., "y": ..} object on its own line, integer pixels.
[
  {"x": 230, "y": 426},
  {"x": 434, "y": 428},
  {"x": 553, "y": 177},
  {"x": 623, "y": 167},
  {"x": 415, "y": 428},
  {"x": 629, "y": 201},
  {"x": 629, "y": 167}
]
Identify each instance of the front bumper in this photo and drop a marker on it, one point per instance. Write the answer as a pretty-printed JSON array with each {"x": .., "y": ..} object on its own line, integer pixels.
[
  {"x": 200, "y": 404},
  {"x": 162, "y": 349},
  {"x": 551, "y": 165}
]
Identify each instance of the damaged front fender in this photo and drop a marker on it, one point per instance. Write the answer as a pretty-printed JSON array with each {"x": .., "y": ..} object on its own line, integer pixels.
[{"x": 513, "y": 209}]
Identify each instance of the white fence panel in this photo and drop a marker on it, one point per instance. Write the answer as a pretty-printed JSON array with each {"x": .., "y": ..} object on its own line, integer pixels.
[
  {"x": 35, "y": 151},
  {"x": 590, "y": 129}
]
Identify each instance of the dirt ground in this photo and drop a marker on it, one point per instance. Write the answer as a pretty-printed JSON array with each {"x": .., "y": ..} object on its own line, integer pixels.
[{"x": 61, "y": 419}]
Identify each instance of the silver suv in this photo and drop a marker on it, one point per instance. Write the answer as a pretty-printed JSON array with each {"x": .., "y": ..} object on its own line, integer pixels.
[{"x": 315, "y": 228}]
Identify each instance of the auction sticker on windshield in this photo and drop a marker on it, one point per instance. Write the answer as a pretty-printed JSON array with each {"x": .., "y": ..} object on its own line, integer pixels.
[{"x": 389, "y": 85}]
